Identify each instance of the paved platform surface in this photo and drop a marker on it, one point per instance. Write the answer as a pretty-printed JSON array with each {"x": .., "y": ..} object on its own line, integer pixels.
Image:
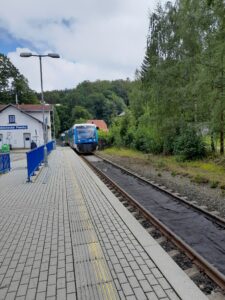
[{"x": 66, "y": 236}]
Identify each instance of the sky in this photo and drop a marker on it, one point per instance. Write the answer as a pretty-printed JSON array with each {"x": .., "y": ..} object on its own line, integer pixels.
[{"x": 96, "y": 39}]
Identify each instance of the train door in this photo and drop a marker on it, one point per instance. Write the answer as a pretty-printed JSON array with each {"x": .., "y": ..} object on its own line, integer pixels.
[
  {"x": 27, "y": 141},
  {"x": 1, "y": 140}
]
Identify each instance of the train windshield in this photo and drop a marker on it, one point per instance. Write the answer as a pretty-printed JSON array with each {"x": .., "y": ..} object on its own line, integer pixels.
[{"x": 86, "y": 132}]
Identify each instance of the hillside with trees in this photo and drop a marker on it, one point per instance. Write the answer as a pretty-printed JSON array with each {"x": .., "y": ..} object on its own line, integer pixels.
[{"x": 98, "y": 100}]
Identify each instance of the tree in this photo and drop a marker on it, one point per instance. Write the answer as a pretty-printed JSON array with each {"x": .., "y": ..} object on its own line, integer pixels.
[
  {"x": 80, "y": 114},
  {"x": 12, "y": 83},
  {"x": 57, "y": 125}
]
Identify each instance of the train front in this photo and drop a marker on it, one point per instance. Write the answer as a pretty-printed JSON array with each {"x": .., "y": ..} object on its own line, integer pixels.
[{"x": 86, "y": 138}]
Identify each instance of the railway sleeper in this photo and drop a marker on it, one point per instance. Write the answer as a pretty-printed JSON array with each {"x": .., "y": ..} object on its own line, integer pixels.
[
  {"x": 161, "y": 240},
  {"x": 135, "y": 213},
  {"x": 141, "y": 220},
  {"x": 150, "y": 229},
  {"x": 192, "y": 272},
  {"x": 215, "y": 212},
  {"x": 173, "y": 253}
]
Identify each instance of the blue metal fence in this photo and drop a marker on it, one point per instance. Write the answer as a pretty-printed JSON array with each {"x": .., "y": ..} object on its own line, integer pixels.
[
  {"x": 35, "y": 158},
  {"x": 50, "y": 146},
  {"x": 4, "y": 162}
]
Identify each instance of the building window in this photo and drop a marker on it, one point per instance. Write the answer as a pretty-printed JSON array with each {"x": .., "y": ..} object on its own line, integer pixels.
[{"x": 12, "y": 119}]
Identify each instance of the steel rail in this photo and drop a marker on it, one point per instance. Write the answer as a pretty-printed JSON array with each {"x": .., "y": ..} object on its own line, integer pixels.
[{"x": 197, "y": 259}]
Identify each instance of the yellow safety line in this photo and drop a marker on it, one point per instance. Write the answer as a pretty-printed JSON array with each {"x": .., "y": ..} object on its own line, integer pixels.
[{"x": 99, "y": 265}]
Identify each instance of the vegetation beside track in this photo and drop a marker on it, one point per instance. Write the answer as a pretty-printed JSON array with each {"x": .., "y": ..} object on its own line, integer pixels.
[{"x": 209, "y": 171}]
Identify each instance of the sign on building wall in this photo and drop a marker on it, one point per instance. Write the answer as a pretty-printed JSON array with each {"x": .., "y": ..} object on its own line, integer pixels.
[{"x": 13, "y": 127}]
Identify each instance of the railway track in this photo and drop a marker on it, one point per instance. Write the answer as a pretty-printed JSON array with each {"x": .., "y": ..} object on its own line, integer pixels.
[{"x": 205, "y": 273}]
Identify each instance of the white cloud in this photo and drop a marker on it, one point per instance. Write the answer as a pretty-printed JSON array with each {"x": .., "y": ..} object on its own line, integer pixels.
[
  {"x": 96, "y": 39},
  {"x": 60, "y": 73}
]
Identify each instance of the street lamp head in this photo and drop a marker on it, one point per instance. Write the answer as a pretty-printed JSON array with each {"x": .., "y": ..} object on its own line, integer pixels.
[
  {"x": 25, "y": 54},
  {"x": 53, "y": 55}
]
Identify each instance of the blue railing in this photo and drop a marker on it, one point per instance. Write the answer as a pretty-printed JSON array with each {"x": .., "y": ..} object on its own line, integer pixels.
[
  {"x": 50, "y": 146},
  {"x": 4, "y": 162},
  {"x": 35, "y": 158}
]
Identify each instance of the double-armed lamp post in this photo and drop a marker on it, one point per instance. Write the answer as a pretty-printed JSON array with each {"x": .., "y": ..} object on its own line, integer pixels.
[{"x": 52, "y": 55}]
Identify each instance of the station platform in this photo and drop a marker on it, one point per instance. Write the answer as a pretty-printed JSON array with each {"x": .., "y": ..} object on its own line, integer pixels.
[{"x": 66, "y": 236}]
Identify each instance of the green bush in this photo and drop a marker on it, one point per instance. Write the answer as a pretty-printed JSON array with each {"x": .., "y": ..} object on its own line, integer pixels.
[
  {"x": 104, "y": 139},
  {"x": 144, "y": 141},
  {"x": 168, "y": 144},
  {"x": 189, "y": 145},
  {"x": 146, "y": 137}
]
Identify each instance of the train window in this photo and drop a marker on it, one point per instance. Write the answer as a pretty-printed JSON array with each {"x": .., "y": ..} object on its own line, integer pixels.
[{"x": 85, "y": 132}]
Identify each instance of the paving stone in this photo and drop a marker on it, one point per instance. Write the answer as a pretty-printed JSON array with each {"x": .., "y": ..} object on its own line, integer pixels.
[
  {"x": 70, "y": 287},
  {"x": 33, "y": 283},
  {"x": 156, "y": 273},
  {"x": 159, "y": 291},
  {"x": 122, "y": 278},
  {"x": 42, "y": 286},
  {"x": 128, "y": 271},
  {"x": 152, "y": 296},
  {"x": 61, "y": 294},
  {"x": 145, "y": 286},
  {"x": 140, "y": 294},
  {"x": 10, "y": 296},
  {"x": 31, "y": 293},
  {"x": 51, "y": 290},
  {"x": 131, "y": 297},
  {"x": 14, "y": 286},
  {"x": 3, "y": 293},
  {"x": 41, "y": 296},
  {"x": 22, "y": 290},
  {"x": 164, "y": 284},
  {"x": 139, "y": 274},
  {"x": 133, "y": 282},
  {"x": 145, "y": 269},
  {"x": 61, "y": 283},
  {"x": 71, "y": 296},
  {"x": 172, "y": 295}
]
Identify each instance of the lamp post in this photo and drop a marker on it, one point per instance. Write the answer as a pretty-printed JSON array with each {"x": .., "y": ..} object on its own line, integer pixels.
[{"x": 52, "y": 55}]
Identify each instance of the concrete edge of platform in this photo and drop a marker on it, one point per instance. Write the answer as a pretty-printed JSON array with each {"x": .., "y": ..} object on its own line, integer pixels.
[{"x": 182, "y": 284}]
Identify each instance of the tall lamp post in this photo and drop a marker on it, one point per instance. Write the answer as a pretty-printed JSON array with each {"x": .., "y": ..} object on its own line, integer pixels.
[{"x": 53, "y": 55}]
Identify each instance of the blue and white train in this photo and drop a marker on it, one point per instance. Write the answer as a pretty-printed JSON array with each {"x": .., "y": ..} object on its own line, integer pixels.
[{"x": 83, "y": 137}]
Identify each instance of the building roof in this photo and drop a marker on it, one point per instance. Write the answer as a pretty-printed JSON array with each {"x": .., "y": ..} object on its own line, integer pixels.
[
  {"x": 101, "y": 124},
  {"x": 28, "y": 107},
  {"x": 3, "y": 107}
]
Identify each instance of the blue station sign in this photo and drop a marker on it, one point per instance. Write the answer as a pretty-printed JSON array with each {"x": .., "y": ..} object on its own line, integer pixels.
[{"x": 15, "y": 127}]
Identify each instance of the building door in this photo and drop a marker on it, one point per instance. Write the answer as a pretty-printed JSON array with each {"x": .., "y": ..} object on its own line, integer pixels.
[
  {"x": 1, "y": 140},
  {"x": 27, "y": 141}
]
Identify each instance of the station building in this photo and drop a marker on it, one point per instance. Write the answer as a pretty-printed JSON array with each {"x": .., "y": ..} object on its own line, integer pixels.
[{"x": 21, "y": 124}]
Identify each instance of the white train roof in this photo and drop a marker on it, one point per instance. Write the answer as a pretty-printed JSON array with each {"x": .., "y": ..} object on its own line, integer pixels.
[{"x": 84, "y": 124}]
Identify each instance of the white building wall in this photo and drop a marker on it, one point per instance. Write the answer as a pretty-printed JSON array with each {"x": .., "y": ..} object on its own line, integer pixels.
[
  {"x": 15, "y": 137},
  {"x": 39, "y": 115}
]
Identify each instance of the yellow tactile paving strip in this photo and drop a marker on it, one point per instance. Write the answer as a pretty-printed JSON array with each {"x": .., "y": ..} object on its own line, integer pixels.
[{"x": 91, "y": 269}]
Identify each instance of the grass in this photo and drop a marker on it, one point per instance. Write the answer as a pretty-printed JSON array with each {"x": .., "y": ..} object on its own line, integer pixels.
[{"x": 205, "y": 171}]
